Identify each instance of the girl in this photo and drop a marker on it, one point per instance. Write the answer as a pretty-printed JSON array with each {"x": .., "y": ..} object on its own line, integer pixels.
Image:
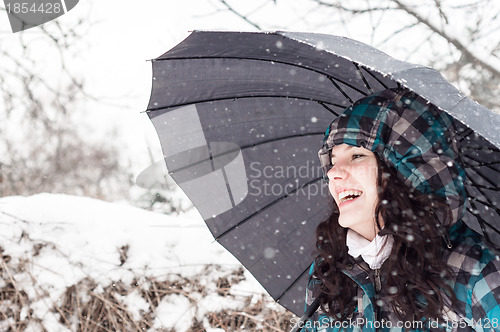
[{"x": 395, "y": 253}]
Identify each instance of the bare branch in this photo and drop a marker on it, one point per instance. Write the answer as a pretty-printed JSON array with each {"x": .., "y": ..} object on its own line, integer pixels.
[
  {"x": 470, "y": 57},
  {"x": 352, "y": 10},
  {"x": 245, "y": 18},
  {"x": 441, "y": 13},
  {"x": 42, "y": 145},
  {"x": 406, "y": 27}
]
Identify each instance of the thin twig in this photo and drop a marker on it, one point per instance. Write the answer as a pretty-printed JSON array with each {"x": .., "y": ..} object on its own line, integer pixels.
[
  {"x": 352, "y": 10},
  {"x": 459, "y": 46},
  {"x": 245, "y": 18}
]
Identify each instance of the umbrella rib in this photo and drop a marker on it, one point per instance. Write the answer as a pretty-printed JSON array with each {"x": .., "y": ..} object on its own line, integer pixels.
[
  {"x": 363, "y": 78},
  {"x": 160, "y": 108},
  {"x": 489, "y": 150},
  {"x": 492, "y": 228},
  {"x": 478, "y": 167},
  {"x": 481, "y": 164},
  {"x": 487, "y": 203},
  {"x": 484, "y": 222},
  {"x": 340, "y": 89},
  {"x": 477, "y": 171},
  {"x": 484, "y": 187},
  {"x": 292, "y": 284},
  {"x": 328, "y": 108},
  {"x": 473, "y": 212},
  {"x": 493, "y": 153},
  {"x": 263, "y": 60},
  {"x": 376, "y": 78},
  {"x": 224, "y": 174},
  {"x": 481, "y": 225},
  {"x": 490, "y": 163},
  {"x": 265, "y": 208},
  {"x": 244, "y": 147},
  {"x": 465, "y": 134}
]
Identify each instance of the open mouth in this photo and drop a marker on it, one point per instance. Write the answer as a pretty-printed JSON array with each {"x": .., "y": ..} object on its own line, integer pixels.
[{"x": 349, "y": 195}]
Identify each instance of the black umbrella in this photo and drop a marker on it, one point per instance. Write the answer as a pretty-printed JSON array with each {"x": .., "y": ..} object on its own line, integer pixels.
[{"x": 241, "y": 117}]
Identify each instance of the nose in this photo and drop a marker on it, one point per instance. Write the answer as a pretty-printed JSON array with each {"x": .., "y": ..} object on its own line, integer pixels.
[{"x": 337, "y": 172}]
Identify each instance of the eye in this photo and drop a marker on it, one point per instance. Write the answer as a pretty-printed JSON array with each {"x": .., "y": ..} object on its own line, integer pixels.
[{"x": 358, "y": 155}]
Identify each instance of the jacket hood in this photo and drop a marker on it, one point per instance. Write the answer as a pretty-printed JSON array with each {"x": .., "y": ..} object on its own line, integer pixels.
[{"x": 409, "y": 134}]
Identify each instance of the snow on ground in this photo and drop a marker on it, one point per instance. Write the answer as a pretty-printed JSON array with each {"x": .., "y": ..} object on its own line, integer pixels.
[{"x": 67, "y": 239}]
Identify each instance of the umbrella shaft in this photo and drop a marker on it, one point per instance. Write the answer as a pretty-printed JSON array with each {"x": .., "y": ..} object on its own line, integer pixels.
[{"x": 309, "y": 312}]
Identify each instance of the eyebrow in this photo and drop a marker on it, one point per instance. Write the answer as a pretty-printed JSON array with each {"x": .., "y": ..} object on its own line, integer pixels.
[{"x": 349, "y": 147}]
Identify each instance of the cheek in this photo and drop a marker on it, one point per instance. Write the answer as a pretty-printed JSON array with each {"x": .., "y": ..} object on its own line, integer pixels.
[
  {"x": 369, "y": 175},
  {"x": 373, "y": 188},
  {"x": 332, "y": 190}
]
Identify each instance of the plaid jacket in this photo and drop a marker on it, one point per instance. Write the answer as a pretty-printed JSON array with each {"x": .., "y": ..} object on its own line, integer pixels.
[
  {"x": 417, "y": 139},
  {"x": 476, "y": 284}
]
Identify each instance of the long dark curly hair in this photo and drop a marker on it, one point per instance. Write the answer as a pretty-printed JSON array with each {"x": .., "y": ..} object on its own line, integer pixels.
[{"x": 415, "y": 267}]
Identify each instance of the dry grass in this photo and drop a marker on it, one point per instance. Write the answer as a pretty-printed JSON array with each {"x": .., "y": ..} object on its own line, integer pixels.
[
  {"x": 89, "y": 307},
  {"x": 15, "y": 313},
  {"x": 256, "y": 317},
  {"x": 85, "y": 310}
]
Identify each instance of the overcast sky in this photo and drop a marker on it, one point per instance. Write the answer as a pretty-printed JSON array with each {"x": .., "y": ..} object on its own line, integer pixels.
[
  {"x": 123, "y": 35},
  {"x": 113, "y": 54}
]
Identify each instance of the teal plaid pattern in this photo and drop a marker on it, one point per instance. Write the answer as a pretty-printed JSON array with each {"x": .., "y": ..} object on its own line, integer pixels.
[
  {"x": 409, "y": 134},
  {"x": 476, "y": 284},
  {"x": 417, "y": 139}
]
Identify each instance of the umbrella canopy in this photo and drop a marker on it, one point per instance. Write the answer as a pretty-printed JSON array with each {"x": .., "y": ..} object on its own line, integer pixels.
[{"x": 241, "y": 117}]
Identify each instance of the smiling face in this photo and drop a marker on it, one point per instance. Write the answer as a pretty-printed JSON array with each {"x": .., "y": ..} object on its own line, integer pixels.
[{"x": 352, "y": 181}]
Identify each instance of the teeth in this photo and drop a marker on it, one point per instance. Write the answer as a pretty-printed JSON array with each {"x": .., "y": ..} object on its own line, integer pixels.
[{"x": 347, "y": 195}]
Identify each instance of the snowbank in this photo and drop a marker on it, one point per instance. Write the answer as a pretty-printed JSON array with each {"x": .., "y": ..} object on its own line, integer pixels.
[{"x": 64, "y": 251}]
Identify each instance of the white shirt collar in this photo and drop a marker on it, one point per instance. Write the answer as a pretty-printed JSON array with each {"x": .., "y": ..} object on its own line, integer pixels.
[{"x": 374, "y": 252}]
